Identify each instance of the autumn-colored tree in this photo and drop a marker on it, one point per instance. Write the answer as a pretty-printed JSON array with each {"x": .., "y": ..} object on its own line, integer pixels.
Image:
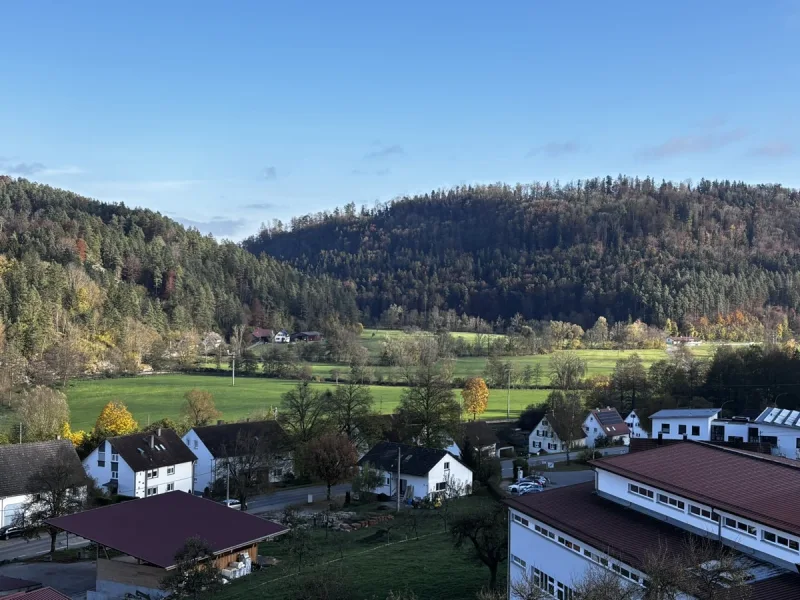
[
  {"x": 198, "y": 407},
  {"x": 331, "y": 457},
  {"x": 76, "y": 437},
  {"x": 476, "y": 396},
  {"x": 115, "y": 419},
  {"x": 41, "y": 412}
]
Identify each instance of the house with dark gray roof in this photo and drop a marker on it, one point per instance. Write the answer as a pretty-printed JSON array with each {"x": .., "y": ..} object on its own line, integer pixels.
[
  {"x": 551, "y": 435},
  {"x": 213, "y": 445},
  {"x": 606, "y": 424},
  {"x": 19, "y": 466},
  {"x": 416, "y": 471},
  {"x": 142, "y": 464}
]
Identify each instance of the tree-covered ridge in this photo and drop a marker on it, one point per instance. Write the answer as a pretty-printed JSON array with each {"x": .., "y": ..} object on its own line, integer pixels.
[
  {"x": 624, "y": 248},
  {"x": 115, "y": 278}
]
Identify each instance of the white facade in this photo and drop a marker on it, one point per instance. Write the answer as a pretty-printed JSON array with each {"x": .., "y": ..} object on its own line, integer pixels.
[
  {"x": 554, "y": 559},
  {"x": 594, "y": 430},
  {"x": 544, "y": 437},
  {"x": 735, "y": 531},
  {"x": 208, "y": 469},
  {"x": 635, "y": 425},
  {"x": 448, "y": 468},
  {"x": 106, "y": 466},
  {"x": 675, "y": 428},
  {"x": 281, "y": 337},
  {"x": 10, "y": 506}
]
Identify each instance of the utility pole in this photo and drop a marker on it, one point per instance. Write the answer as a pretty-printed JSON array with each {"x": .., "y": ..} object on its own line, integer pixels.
[
  {"x": 508, "y": 395},
  {"x": 20, "y": 433},
  {"x": 227, "y": 483},
  {"x": 398, "y": 479},
  {"x": 233, "y": 372}
]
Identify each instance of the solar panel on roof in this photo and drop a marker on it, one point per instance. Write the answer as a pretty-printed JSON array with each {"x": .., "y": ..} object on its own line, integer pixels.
[
  {"x": 772, "y": 414},
  {"x": 609, "y": 418},
  {"x": 782, "y": 416},
  {"x": 792, "y": 419}
]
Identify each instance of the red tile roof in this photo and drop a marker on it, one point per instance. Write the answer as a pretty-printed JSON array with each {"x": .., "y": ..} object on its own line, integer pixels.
[
  {"x": 765, "y": 489},
  {"x": 611, "y": 422},
  {"x": 626, "y": 534},
  {"x": 47, "y": 593},
  {"x": 153, "y": 529}
]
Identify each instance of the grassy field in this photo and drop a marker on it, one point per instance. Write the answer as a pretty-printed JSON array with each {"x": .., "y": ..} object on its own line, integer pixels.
[
  {"x": 369, "y": 565},
  {"x": 154, "y": 397}
]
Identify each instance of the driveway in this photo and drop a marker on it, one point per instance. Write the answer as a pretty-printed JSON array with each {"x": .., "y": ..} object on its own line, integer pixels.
[
  {"x": 541, "y": 461},
  {"x": 72, "y": 579}
]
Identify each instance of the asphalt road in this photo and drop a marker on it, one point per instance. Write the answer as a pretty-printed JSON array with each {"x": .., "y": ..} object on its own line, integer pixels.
[
  {"x": 508, "y": 465},
  {"x": 283, "y": 498},
  {"x": 21, "y": 548}
]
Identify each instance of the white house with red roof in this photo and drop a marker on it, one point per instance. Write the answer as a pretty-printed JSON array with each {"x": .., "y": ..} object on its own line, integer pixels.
[{"x": 606, "y": 423}]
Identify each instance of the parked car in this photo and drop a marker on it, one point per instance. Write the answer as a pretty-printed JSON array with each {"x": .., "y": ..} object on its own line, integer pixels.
[
  {"x": 10, "y": 531},
  {"x": 524, "y": 487},
  {"x": 540, "y": 479},
  {"x": 235, "y": 504}
]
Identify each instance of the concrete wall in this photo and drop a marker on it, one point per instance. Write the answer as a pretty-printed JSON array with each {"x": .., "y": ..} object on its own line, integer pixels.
[
  {"x": 704, "y": 423},
  {"x": 115, "y": 578},
  {"x": 616, "y": 488}
]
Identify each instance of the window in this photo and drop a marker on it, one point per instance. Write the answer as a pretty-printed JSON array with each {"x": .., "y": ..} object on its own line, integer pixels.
[
  {"x": 665, "y": 428},
  {"x": 114, "y": 474},
  {"x": 670, "y": 501},
  {"x": 447, "y": 466},
  {"x": 594, "y": 429},
  {"x": 739, "y": 526},
  {"x": 441, "y": 486},
  {"x": 705, "y": 513},
  {"x": 195, "y": 444},
  {"x": 152, "y": 491},
  {"x": 276, "y": 473},
  {"x": 170, "y": 487},
  {"x": 518, "y": 561},
  {"x": 152, "y": 474},
  {"x": 695, "y": 429},
  {"x": 170, "y": 470},
  {"x": 388, "y": 481},
  {"x": 774, "y": 538},
  {"x": 640, "y": 491},
  {"x": 521, "y": 520},
  {"x": 681, "y": 429},
  {"x": 114, "y": 457}
]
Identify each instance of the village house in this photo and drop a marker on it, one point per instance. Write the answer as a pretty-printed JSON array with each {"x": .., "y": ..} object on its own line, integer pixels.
[
  {"x": 424, "y": 472},
  {"x": 262, "y": 336},
  {"x": 635, "y": 426},
  {"x": 646, "y": 503},
  {"x": 147, "y": 533},
  {"x": 282, "y": 337},
  {"x": 683, "y": 423},
  {"x": 142, "y": 464},
  {"x": 551, "y": 436},
  {"x": 213, "y": 445},
  {"x": 307, "y": 336},
  {"x": 19, "y": 466},
  {"x": 605, "y": 423}
]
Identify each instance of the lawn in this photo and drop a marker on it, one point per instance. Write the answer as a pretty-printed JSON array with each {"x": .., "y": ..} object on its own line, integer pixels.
[
  {"x": 153, "y": 397},
  {"x": 370, "y": 567}
]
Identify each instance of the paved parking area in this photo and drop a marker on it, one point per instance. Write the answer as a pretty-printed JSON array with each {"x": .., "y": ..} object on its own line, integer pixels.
[
  {"x": 72, "y": 579},
  {"x": 563, "y": 478}
]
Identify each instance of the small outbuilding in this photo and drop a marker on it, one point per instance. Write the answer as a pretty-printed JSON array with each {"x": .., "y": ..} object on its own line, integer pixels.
[{"x": 146, "y": 534}]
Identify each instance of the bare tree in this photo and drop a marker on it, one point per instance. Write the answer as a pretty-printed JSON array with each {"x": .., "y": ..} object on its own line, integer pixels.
[
  {"x": 195, "y": 575},
  {"x": 198, "y": 408},
  {"x": 566, "y": 412},
  {"x": 485, "y": 529},
  {"x": 248, "y": 463},
  {"x": 566, "y": 370},
  {"x": 350, "y": 403},
  {"x": 526, "y": 588},
  {"x": 60, "y": 486},
  {"x": 331, "y": 457},
  {"x": 429, "y": 406},
  {"x": 41, "y": 412},
  {"x": 64, "y": 358},
  {"x": 602, "y": 584},
  {"x": 453, "y": 489},
  {"x": 302, "y": 413}
]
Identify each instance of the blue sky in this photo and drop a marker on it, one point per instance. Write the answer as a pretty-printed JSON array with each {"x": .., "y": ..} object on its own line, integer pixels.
[{"x": 224, "y": 115}]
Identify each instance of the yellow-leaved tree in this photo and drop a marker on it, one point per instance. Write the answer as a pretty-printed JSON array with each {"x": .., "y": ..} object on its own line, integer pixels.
[
  {"x": 76, "y": 437},
  {"x": 115, "y": 419},
  {"x": 476, "y": 396}
]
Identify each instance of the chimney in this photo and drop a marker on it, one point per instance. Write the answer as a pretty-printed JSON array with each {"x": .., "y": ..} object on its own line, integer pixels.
[
  {"x": 152, "y": 441},
  {"x": 158, "y": 432}
]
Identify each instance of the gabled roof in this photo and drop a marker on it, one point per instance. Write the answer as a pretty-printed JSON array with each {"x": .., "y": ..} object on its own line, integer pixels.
[
  {"x": 414, "y": 460},
  {"x": 479, "y": 434},
  {"x": 260, "y": 332},
  {"x": 221, "y": 439},
  {"x": 561, "y": 429},
  {"x": 754, "y": 486},
  {"x": 611, "y": 421},
  {"x": 46, "y": 593},
  {"x": 780, "y": 417},
  {"x": 20, "y": 462},
  {"x": 685, "y": 413},
  {"x": 152, "y": 529},
  {"x": 143, "y": 451}
]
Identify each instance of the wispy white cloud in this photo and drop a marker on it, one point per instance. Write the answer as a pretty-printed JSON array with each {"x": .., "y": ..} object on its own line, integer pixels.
[
  {"x": 34, "y": 169},
  {"x": 385, "y": 151},
  {"x": 555, "y": 149},
  {"x": 700, "y": 143},
  {"x": 269, "y": 173},
  {"x": 773, "y": 149}
]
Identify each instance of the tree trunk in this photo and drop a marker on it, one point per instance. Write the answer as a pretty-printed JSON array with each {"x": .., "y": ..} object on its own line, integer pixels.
[
  {"x": 329, "y": 492},
  {"x": 493, "y": 576},
  {"x": 53, "y": 535}
]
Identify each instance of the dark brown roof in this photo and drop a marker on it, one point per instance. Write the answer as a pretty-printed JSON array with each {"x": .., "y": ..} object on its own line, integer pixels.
[
  {"x": 611, "y": 422},
  {"x": 479, "y": 434},
  {"x": 20, "y": 462},
  {"x": 755, "y": 486},
  {"x": 414, "y": 460},
  {"x": 12, "y": 584},
  {"x": 142, "y": 451},
  {"x": 625, "y": 534},
  {"x": 47, "y": 593},
  {"x": 153, "y": 529},
  {"x": 221, "y": 439},
  {"x": 561, "y": 429},
  {"x": 621, "y": 532}
]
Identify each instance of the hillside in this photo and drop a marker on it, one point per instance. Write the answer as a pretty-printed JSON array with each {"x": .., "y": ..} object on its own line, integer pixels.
[
  {"x": 113, "y": 282},
  {"x": 624, "y": 248}
]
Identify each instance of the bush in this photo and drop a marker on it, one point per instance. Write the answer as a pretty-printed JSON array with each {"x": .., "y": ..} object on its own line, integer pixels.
[{"x": 586, "y": 455}]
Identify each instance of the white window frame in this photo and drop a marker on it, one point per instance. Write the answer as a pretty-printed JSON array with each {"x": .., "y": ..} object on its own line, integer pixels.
[
  {"x": 171, "y": 470},
  {"x": 171, "y": 487},
  {"x": 642, "y": 492},
  {"x": 152, "y": 474},
  {"x": 151, "y": 491},
  {"x": 670, "y": 501},
  {"x": 740, "y": 526}
]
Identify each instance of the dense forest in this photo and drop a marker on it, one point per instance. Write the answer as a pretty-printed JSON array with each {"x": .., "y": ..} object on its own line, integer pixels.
[
  {"x": 112, "y": 283},
  {"x": 621, "y": 248}
]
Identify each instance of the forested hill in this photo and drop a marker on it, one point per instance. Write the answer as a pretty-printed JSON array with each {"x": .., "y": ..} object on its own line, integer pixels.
[
  {"x": 618, "y": 248},
  {"x": 115, "y": 279}
]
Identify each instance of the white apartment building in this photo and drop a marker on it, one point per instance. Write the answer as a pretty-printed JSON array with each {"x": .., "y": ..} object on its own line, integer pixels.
[
  {"x": 213, "y": 445},
  {"x": 142, "y": 464},
  {"x": 776, "y": 427},
  {"x": 647, "y": 501},
  {"x": 423, "y": 471}
]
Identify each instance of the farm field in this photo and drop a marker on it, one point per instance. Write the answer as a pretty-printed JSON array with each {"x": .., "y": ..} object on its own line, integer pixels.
[{"x": 153, "y": 397}]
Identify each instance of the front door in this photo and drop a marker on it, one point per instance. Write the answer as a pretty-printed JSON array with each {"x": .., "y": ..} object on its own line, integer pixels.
[
  {"x": 752, "y": 434},
  {"x": 717, "y": 433}
]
